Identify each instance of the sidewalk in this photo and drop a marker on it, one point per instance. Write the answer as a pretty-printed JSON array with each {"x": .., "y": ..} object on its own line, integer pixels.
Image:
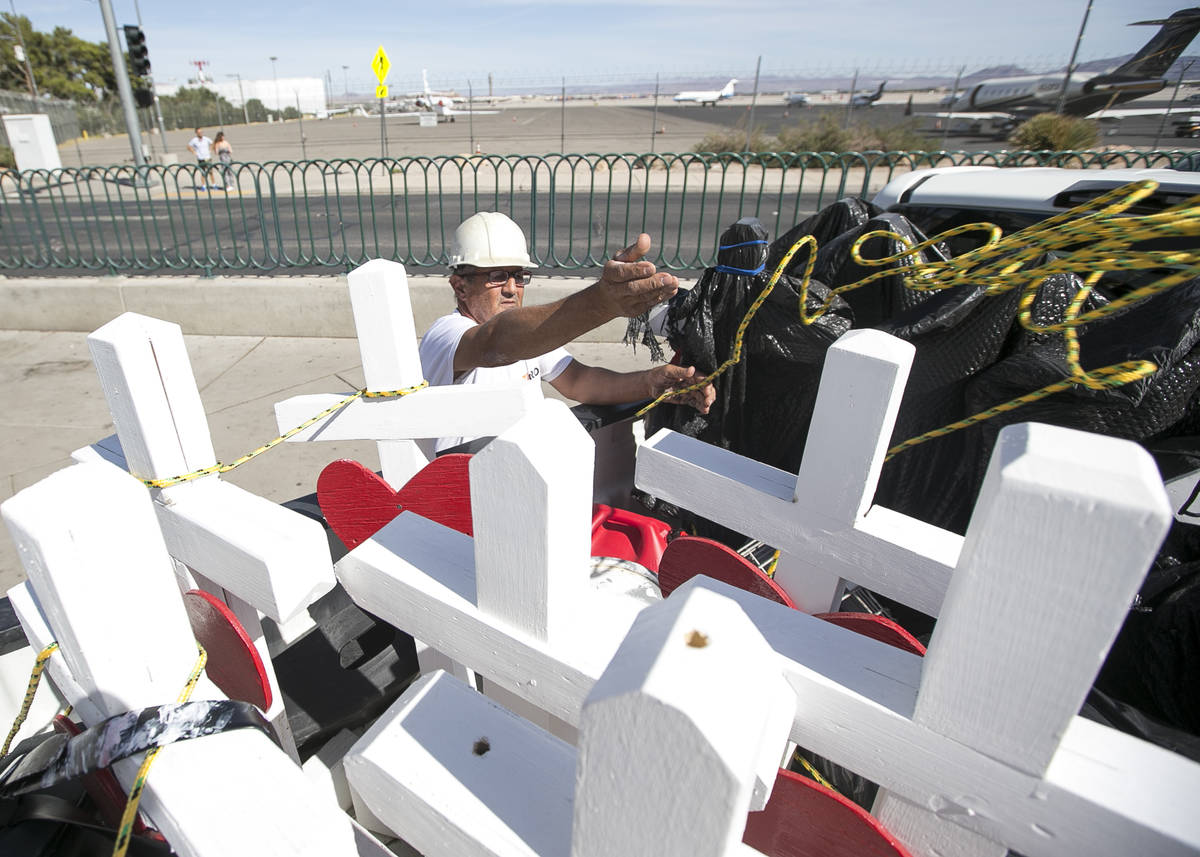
[{"x": 55, "y": 404}]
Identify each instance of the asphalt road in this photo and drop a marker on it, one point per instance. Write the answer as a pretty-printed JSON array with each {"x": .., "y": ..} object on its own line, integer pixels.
[
  {"x": 323, "y": 234},
  {"x": 540, "y": 126}
]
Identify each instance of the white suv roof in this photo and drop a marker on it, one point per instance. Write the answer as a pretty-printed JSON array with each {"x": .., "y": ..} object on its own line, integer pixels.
[{"x": 1029, "y": 189}]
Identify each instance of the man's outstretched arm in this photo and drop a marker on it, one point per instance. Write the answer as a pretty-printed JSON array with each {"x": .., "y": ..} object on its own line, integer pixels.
[
  {"x": 595, "y": 385},
  {"x": 627, "y": 287}
]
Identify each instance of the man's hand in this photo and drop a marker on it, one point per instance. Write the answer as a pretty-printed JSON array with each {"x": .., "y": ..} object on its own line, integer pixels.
[
  {"x": 629, "y": 287},
  {"x": 670, "y": 377}
]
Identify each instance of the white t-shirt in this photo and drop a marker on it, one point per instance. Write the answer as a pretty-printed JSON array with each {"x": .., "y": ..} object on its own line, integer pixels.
[
  {"x": 200, "y": 145},
  {"x": 437, "y": 361}
]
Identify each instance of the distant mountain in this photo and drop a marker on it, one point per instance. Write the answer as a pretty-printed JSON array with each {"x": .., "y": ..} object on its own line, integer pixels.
[{"x": 833, "y": 83}]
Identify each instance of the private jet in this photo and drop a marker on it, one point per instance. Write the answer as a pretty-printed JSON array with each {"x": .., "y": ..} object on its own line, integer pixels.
[
  {"x": 1089, "y": 94},
  {"x": 708, "y": 96},
  {"x": 795, "y": 99},
  {"x": 866, "y": 99}
]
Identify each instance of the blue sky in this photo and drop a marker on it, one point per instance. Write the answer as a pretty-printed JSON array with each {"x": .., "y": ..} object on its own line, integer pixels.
[{"x": 541, "y": 42}]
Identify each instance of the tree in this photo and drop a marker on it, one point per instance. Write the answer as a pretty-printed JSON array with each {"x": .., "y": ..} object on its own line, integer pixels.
[
  {"x": 256, "y": 110},
  {"x": 197, "y": 106},
  {"x": 64, "y": 65}
]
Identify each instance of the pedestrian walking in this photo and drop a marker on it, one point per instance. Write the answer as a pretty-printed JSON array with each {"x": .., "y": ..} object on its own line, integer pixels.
[
  {"x": 224, "y": 152},
  {"x": 201, "y": 147}
]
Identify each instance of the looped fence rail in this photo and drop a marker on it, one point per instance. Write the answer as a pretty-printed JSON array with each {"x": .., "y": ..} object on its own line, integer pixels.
[{"x": 340, "y": 213}]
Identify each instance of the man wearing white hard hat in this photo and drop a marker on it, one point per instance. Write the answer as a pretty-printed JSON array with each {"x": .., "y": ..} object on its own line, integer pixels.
[{"x": 492, "y": 338}]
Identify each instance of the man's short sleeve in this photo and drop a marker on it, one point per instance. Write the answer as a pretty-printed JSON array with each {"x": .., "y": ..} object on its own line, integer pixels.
[
  {"x": 438, "y": 346},
  {"x": 553, "y": 364}
]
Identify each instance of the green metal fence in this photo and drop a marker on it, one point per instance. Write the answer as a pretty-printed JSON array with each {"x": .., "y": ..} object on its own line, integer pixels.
[{"x": 308, "y": 215}]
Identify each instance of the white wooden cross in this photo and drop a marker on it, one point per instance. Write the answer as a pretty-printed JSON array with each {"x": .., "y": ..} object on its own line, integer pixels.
[
  {"x": 977, "y": 744},
  {"x": 404, "y": 426},
  {"x": 1064, "y": 518},
  {"x": 257, "y": 555},
  {"x": 387, "y": 340},
  {"x": 101, "y": 577}
]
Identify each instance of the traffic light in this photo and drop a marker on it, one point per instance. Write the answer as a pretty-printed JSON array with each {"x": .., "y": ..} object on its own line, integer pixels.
[
  {"x": 139, "y": 66},
  {"x": 139, "y": 55}
]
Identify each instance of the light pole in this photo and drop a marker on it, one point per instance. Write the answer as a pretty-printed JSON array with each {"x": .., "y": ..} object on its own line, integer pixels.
[
  {"x": 123, "y": 88},
  {"x": 346, "y": 78},
  {"x": 1062, "y": 94},
  {"x": 242, "y": 95},
  {"x": 24, "y": 53},
  {"x": 276, "y": 79},
  {"x": 1174, "y": 94}
]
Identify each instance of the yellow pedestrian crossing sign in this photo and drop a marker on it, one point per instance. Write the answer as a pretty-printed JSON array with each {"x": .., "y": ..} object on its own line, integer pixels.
[
  {"x": 381, "y": 91},
  {"x": 380, "y": 65}
]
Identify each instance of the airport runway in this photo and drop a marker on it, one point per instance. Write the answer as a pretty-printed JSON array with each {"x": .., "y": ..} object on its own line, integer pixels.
[{"x": 540, "y": 126}]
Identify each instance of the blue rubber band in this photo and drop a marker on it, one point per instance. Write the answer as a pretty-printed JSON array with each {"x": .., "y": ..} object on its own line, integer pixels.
[
  {"x": 743, "y": 244},
  {"x": 727, "y": 269}
]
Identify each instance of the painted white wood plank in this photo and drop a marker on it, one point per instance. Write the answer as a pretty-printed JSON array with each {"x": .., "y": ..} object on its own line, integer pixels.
[
  {"x": 432, "y": 412},
  {"x": 885, "y": 551},
  {"x": 151, "y": 393},
  {"x": 387, "y": 341},
  {"x": 420, "y": 576},
  {"x": 855, "y": 700},
  {"x": 129, "y": 645},
  {"x": 660, "y": 722},
  {"x": 457, "y": 774},
  {"x": 924, "y": 832},
  {"x": 264, "y": 553},
  {"x": 57, "y": 674},
  {"x": 75, "y": 550},
  {"x": 1063, "y": 518},
  {"x": 531, "y": 505},
  {"x": 862, "y": 383},
  {"x": 383, "y": 320}
]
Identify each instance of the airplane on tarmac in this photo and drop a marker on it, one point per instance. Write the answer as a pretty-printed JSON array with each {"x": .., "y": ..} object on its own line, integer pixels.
[
  {"x": 795, "y": 99},
  {"x": 354, "y": 109},
  {"x": 1089, "y": 94},
  {"x": 707, "y": 96},
  {"x": 866, "y": 99},
  {"x": 438, "y": 102}
]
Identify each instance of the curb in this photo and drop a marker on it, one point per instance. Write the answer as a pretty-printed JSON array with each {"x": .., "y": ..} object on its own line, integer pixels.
[{"x": 311, "y": 306}]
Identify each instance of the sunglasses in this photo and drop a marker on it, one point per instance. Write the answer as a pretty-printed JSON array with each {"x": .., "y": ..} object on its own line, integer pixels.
[{"x": 500, "y": 278}]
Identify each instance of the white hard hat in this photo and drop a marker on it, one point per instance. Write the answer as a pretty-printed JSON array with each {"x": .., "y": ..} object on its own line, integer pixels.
[{"x": 489, "y": 239}]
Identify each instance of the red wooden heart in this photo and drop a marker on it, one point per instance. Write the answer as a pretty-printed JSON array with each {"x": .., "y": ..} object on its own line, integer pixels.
[
  {"x": 805, "y": 819},
  {"x": 357, "y": 502},
  {"x": 877, "y": 628},
  {"x": 234, "y": 664},
  {"x": 688, "y": 556}
]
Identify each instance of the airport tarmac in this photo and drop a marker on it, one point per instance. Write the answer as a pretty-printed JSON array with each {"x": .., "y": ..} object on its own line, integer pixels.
[{"x": 542, "y": 126}]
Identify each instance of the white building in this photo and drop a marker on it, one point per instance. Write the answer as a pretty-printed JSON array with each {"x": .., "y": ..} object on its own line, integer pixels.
[{"x": 274, "y": 94}]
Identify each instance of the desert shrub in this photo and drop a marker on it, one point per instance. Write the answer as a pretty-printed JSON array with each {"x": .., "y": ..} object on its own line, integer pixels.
[
  {"x": 1049, "y": 131},
  {"x": 734, "y": 140},
  {"x": 900, "y": 137},
  {"x": 821, "y": 135}
]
